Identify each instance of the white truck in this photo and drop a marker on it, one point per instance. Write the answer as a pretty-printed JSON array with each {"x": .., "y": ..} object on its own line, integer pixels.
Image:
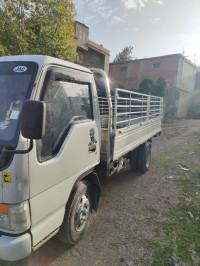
[{"x": 54, "y": 135}]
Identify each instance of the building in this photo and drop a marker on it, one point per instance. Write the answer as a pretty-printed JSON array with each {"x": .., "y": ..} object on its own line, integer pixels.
[
  {"x": 181, "y": 75},
  {"x": 90, "y": 53}
]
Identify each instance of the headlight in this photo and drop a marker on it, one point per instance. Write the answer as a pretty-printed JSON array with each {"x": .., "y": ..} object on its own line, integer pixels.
[{"x": 15, "y": 218}]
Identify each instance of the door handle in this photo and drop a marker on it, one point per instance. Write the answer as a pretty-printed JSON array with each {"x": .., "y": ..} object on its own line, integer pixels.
[{"x": 92, "y": 148}]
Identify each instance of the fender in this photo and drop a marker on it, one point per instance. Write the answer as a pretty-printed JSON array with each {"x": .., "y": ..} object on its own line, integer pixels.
[{"x": 93, "y": 178}]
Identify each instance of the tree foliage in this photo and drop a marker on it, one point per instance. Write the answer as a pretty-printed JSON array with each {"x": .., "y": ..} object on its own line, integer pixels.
[
  {"x": 158, "y": 88},
  {"x": 37, "y": 27},
  {"x": 147, "y": 86},
  {"x": 124, "y": 55},
  {"x": 161, "y": 87}
]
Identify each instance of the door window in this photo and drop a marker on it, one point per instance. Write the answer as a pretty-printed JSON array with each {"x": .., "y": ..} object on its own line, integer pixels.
[{"x": 67, "y": 102}]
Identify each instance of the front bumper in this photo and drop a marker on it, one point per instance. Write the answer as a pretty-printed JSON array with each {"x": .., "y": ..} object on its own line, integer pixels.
[{"x": 15, "y": 248}]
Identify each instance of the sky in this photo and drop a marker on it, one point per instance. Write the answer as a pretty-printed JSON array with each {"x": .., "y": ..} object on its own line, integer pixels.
[{"x": 151, "y": 27}]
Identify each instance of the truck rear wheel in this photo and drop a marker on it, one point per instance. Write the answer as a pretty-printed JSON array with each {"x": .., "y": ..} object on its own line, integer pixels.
[
  {"x": 144, "y": 157},
  {"x": 77, "y": 214},
  {"x": 134, "y": 160}
]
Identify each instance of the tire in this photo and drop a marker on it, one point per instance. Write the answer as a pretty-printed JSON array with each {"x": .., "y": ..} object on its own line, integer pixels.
[
  {"x": 77, "y": 214},
  {"x": 133, "y": 160},
  {"x": 144, "y": 157}
]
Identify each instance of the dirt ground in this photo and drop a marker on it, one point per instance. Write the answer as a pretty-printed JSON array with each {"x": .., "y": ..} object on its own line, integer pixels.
[{"x": 130, "y": 205}]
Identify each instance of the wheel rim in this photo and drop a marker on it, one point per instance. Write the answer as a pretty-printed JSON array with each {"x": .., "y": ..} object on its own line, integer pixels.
[{"x": 82, "y": 213}]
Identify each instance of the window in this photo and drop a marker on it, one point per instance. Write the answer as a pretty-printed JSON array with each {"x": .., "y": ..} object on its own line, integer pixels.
[
  {"x": 123, "y": 69},
  {"x": 16, "y": 83},
  {"x": 67, "y": 102},
  {"x": 157, "y": 65}
]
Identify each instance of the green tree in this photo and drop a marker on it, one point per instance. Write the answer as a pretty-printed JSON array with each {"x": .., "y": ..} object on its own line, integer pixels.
[
  {"x": 12, "y": 31},
  {"x": 124, "y": 55},
  {"x": 38, "y": 27},
  {"x": 147, "y": 86},
  {"x": 161, "y": 87}
]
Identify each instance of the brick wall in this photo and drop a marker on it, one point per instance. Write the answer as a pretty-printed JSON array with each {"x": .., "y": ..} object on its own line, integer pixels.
[
  {"x": 181, "y": 74},
  {"x": 137, "y": 70}
]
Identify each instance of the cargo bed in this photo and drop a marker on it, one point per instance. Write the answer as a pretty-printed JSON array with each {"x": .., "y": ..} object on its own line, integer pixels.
[{"x": 136, "y": 118}]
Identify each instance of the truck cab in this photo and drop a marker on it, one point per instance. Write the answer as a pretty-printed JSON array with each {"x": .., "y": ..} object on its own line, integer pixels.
[{"x": 35, "y": 186}]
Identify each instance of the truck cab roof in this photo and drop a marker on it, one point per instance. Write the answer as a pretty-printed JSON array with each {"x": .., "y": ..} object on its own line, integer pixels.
[{"x": 43, "y": 60}]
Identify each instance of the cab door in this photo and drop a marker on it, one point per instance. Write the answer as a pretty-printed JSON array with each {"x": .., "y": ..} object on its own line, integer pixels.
[{"x": 68, "y": 150}]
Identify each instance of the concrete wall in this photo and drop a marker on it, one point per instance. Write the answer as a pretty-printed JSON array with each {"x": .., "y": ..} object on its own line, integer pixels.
[
  {"x": 186, "y": 75},
  {"x": 171, "y": 103},
  {"x": 186, "y": 80},
  {"x": 81, "y": 35},
  {"x": 197, "y": 82},
  {"x": 106, "y": 63},
  {"x": 185, "y": 100},
  {"x": 91, "y": 58},
  {"x": 90, "y": 53}
]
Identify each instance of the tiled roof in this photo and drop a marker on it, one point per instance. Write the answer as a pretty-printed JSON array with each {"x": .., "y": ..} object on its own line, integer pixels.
[{"x": 99, "y": 47}]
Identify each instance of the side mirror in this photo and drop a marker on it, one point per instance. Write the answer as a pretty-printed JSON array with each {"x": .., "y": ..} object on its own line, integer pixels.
[{"x": 33, "y": 117}]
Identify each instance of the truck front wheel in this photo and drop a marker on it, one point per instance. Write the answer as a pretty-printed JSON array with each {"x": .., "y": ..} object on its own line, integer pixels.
[
  {"x": 77, "y": 214},
  {"x": 144, "y": 157}
]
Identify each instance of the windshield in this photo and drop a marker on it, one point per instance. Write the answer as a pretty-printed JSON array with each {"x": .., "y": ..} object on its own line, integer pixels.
[{"x": 16, "y": 80}]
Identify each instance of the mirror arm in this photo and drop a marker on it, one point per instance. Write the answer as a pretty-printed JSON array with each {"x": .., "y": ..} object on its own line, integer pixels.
[{"x": 19, "y": 151}]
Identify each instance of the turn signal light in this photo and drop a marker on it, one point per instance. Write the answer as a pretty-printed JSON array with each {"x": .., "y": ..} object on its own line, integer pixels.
[{"x": 4, "y": 208}]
